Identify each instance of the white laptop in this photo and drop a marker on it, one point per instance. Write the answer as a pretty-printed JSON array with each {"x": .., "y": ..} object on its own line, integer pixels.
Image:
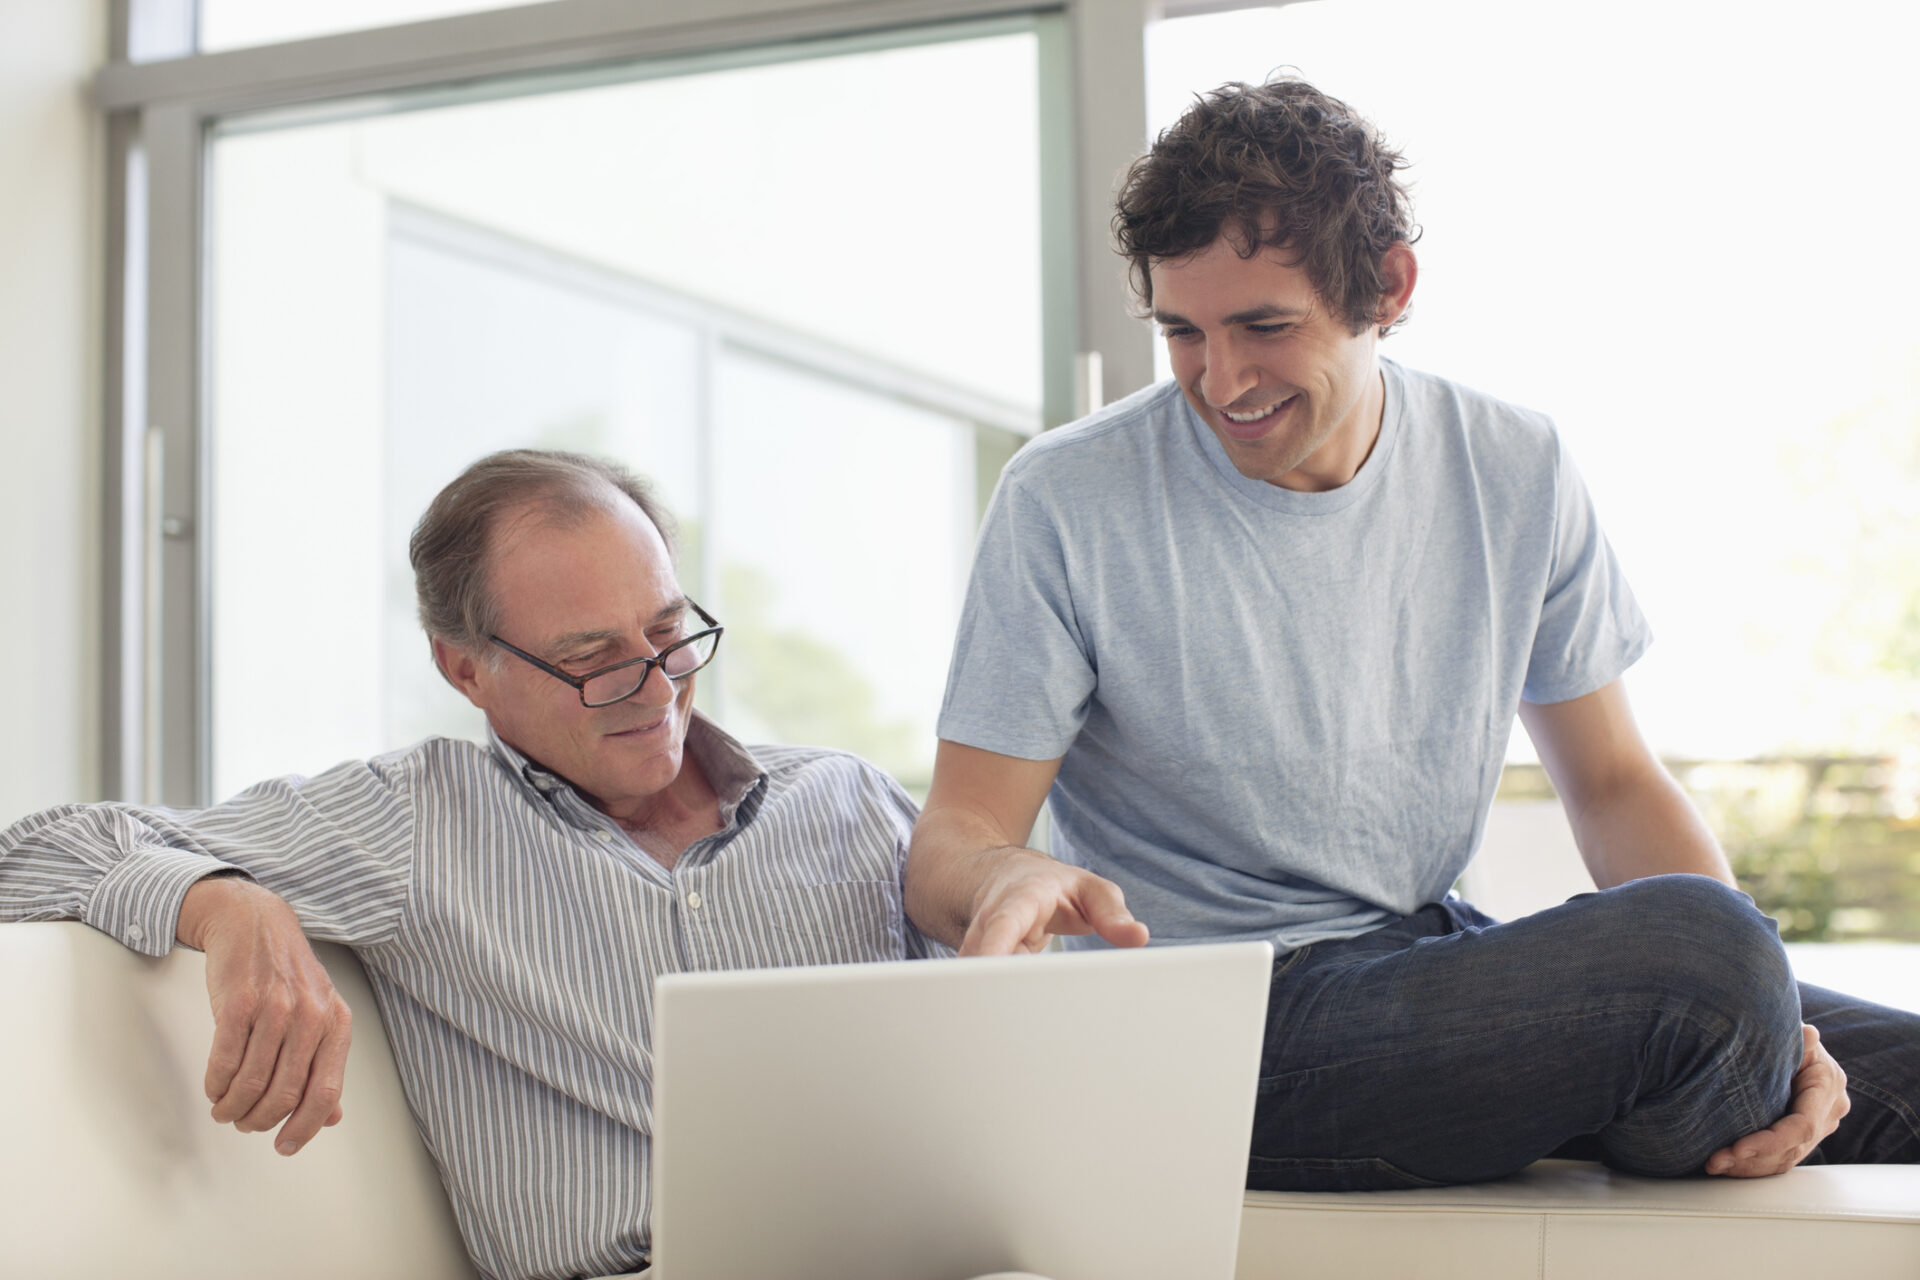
[{"x": 1080, "y": 1116}]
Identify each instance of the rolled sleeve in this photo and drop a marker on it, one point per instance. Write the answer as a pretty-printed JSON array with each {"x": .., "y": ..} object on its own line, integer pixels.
[
  {"x": 337, "y": 848},
  {"x": 138, "y": 900}
]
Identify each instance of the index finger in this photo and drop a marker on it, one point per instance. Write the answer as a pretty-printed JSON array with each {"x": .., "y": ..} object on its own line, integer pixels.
[
  {"x": 1000, "y": 933},
  {"x": 1103, "y": 906}
]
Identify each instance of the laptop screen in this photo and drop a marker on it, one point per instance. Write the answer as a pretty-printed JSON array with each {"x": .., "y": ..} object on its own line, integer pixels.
[{"x": 1073, "y": 1115}]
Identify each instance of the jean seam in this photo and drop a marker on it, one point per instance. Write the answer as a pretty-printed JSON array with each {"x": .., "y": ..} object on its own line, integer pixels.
[
  {"x": 1338, "y": 1164},
  {"x": 1288, "y": 961},
  {"x": 1544, "y": 1020},
  {"x": 1743, "y": 1090},
  {"x": 1741, "y": 1095},
  {"x": 1890, "y": 1100}
]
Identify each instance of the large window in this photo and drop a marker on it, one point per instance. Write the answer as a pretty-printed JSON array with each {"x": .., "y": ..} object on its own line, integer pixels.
[
  {"x": 774, "y": 301},
  {"x": 816, "y": 269},
  {"x": 799, "y": 256}
]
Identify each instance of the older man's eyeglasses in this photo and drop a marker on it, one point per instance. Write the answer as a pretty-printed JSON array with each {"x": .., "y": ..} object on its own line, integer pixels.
[{"x": 622, "y": 680}]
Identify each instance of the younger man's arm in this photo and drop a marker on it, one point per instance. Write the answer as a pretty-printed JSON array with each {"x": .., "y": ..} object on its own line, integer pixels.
[
  {"x": 1631, "y": 820},
  {"x": 1629, "y": 817},
  {"x": 973, "y": 884}
]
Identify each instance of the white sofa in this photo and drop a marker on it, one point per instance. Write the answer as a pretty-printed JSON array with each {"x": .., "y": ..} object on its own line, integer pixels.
[{"x": 111, "y": 1167}]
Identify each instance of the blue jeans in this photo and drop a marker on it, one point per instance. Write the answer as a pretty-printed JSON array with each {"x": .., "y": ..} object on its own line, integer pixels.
[{"x": 1646, "y": 1026}]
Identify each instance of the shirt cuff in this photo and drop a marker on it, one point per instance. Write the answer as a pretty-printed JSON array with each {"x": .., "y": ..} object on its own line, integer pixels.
[{"x": 138, "y": 900}]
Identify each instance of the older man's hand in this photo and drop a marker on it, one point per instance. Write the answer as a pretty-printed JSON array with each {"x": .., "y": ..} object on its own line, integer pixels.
[
  {"x": 1819, "y": 1103},
  {"x": 281, "y": 1032}
]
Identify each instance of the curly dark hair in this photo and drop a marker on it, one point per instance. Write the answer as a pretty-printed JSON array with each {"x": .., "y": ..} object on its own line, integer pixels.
[{"x": 1277, "y": 165}]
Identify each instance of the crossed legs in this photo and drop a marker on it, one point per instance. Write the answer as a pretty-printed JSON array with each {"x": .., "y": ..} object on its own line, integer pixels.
[{"x": 1647, "y": 1026}]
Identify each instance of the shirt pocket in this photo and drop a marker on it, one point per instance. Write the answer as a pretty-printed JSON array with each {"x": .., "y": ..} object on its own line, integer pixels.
[{"x": 849, "y": 922}]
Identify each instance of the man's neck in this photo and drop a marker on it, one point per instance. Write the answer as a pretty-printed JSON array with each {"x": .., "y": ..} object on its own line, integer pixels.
[
  {"x": 668, "y": 822},
  {"x": 1334, "y": 464}
]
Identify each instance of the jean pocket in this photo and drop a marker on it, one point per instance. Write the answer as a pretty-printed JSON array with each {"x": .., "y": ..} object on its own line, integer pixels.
[
  {"x": 1270, "y": 1041},
  {"x": 1285, "y": 964}
]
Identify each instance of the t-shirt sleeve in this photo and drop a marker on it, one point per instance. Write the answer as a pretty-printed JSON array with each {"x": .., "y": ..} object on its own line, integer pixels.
[
  {"x": 1022, "y": 672},
  {"x": 1591, "y": 628}
]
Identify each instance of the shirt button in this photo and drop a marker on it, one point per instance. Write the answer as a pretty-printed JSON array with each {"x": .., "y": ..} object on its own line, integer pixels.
[
  {"x": 604, "y": 835},
  {"x": 693, "y": 900},
  {"x": 135, "y": 933}
]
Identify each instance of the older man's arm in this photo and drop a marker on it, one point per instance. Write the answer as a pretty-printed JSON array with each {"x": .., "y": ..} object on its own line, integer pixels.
[
  {"x": 1630, "y": 820},
  {"x": 338, "y": 845},
  {"x": 972, "y": 883},
  {"x": 280, "y": 1030}
]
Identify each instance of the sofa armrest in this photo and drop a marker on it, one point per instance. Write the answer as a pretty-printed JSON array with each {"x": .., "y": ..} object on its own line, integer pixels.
[{"x": 113, "y": 1165}]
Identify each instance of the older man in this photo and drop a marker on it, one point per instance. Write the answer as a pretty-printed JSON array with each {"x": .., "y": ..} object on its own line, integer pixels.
[{"x": 512, "y": 903}]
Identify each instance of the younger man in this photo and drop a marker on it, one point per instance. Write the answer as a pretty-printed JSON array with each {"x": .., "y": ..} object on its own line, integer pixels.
[{"x": 1261, "y": 633}]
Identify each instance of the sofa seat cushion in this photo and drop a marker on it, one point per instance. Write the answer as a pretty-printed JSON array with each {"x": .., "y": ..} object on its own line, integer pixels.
[{"x": 1570, "y": 1220}]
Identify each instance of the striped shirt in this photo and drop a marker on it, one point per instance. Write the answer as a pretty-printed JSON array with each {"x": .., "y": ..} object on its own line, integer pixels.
[{"x": 512, "y": 934}]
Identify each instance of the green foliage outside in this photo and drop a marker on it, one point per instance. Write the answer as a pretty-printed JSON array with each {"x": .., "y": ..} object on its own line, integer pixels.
[
  {"x": 784, "y": 684},
  {"x": 1829, "y": 846}
]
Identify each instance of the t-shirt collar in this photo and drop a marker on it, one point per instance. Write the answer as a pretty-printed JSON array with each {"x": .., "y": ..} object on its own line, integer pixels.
[{"x": 1292, "y": 501}]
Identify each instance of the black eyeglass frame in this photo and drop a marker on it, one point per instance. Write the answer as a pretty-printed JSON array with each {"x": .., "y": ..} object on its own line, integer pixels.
[{"x": 579, "y": 683}]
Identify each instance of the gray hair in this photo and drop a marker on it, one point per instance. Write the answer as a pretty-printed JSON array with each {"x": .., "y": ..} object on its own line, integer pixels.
[{"x": 451, "y": 547}]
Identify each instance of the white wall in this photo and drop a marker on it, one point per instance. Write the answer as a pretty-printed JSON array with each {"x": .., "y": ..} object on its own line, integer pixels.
[
  {"x": 50, "y": 188},
  {"x": 1527, "y": 861}
]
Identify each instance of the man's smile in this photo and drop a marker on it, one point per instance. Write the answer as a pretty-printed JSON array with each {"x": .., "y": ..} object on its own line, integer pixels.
[
  {"x": 1250, "y": 424},
  {"x": 640, "y": 730}
]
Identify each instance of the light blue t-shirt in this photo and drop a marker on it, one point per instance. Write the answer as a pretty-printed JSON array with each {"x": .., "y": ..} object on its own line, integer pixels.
[{"x": 1282, "y": 715}]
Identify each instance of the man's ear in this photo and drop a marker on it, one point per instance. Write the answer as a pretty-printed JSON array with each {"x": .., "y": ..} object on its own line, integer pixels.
[
  {"x": 1399, "y": 269},
  {"x": 461, "y": 668}
]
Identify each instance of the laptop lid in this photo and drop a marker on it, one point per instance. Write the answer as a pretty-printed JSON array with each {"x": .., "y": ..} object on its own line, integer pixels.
[{"x": 1083, "y": 1116}]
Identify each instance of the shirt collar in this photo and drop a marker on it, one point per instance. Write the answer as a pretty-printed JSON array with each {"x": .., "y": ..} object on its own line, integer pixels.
[{"x": 731, "y": 770}]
